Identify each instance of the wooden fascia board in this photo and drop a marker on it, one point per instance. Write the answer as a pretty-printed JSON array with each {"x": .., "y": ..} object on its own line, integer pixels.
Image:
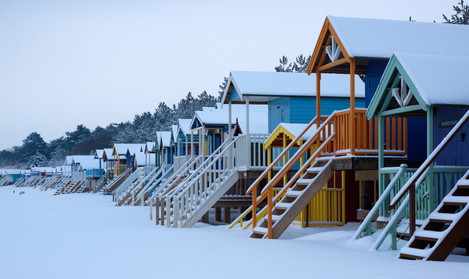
[
  {"x": 317, "y": 48},
  {"x": 332, "y": 65},
  {"x": 399, "y": 110},
  {"x": 411, "y": 86},
  {"x": 320, "y": 44},
  {"x": 275, "y": 135}
]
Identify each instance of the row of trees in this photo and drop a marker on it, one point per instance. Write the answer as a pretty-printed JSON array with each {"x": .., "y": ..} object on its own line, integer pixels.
[{"x": 35, "y": 152}]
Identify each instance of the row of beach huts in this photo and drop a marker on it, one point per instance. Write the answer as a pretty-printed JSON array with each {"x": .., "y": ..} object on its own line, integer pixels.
[{"x": 374, "y": 132}]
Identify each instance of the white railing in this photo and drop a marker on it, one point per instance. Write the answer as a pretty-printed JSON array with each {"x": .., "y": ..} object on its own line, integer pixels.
[
  {"x": 151, "y": 176},
  {"x": 182, "y": 174},
  {"x": 180, "y": 161},
  {"x": 188, "y": 197},
  {"x": 258, "y": 155}
]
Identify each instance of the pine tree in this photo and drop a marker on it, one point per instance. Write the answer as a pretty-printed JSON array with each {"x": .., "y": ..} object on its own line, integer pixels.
[
  {"x": 222, "y": 87},
  {"x": 461, "y": 15},
  {"x": 37, "y": 160},
  {"x": 298, "y": 66}
]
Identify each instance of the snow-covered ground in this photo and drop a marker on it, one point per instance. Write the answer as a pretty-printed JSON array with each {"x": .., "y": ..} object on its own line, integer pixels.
[{"x": 86, "y": 236}]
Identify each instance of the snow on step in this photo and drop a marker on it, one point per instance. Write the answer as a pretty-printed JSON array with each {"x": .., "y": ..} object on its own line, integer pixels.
[
  {"x": 276, "y": 217},
  {"x": 315, "y": 169},
  {"x": 283, "y": 205},
  {"x": 260, "y": 230},
  {"x": 444, "y": 216},
  {"x": 293, "y": 193},
  {"x": 463, "y": 182},
  {"x": 304, "y": 181},
  {"x": 430, "y": 234},
  {"x": 416, "y": 252},
  {"x": 456, "y": 199}
]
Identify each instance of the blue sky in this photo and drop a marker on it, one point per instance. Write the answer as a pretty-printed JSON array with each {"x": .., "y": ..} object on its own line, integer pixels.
[{"x": 64, "y": 63}]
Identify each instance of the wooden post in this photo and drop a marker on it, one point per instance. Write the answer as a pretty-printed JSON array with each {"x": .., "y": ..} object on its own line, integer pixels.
[
  {"x": 254, "y": 206},
  {"x": 269, "y": 213},
  {"x": 380, "y": 159},
  {"x": 192, "y": 143},
  {"x": 352, "y": 107},
  {"x": 318, "y": 98},
  {"x": 227, "y": 215},
  {"x": 157, "y": 216},
  {"x": 229, "y": 119},
  {"x": 218, "y": 214},
  {"x": 248, "y": 140},
  {"x": 412, "y": 209}
]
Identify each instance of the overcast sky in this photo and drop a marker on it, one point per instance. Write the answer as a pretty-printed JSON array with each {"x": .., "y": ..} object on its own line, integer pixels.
[{"x": 64, "y": 63}]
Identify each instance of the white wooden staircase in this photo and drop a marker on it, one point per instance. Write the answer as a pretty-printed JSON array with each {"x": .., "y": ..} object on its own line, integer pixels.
[{"x": 185, "y": 204}]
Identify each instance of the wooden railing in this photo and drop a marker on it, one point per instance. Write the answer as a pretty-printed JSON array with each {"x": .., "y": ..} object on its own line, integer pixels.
[
  {"x": 364, "y": 140},
  {"x": 410, "y": 185},
  {"x": 253, "y": 188}
]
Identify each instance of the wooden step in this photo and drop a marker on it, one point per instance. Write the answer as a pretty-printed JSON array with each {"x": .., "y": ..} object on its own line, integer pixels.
[
  {"x": 293, "y": 193},
  {"x": 304, "y": 181},
  {"x": 282, "y": 205},
  {"x": 314, "y": 169}
]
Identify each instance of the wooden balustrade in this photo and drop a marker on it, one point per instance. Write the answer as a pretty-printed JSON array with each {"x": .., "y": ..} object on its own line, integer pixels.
[{"x": 365, "y": 135}]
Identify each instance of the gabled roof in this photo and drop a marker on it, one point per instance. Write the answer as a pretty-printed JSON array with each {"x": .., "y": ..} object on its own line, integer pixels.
[
  {"x": 258, "y": 116},
  {"x": 262, "y": 87},
  {"x": 86, "y": 161},
  {"x": 174, "y": 135},
  {"x": 99, "y": 153},
  {"x": 123, "y": 148},
  {"x": 379, "y": 38},
  {"x": 107, "y": 154},
  {"x": 291, "y": 130},
  {"x": 185, "y": 126},
  {"x": 433, "y": 79},
  {"x": 165, "y": 137},
  {"x": 150, "y": 147}
]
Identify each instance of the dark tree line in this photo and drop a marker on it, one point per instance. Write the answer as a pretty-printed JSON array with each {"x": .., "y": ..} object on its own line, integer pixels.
[{"x": 35, "y": 152}]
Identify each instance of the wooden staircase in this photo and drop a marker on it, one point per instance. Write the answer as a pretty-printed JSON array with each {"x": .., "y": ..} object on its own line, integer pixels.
[
  {"x": 186, "y": 203},
  {"x": 109, "y": 188},
  {"x": 294, "y": 201},
  {"x": 443, "y": 229}
]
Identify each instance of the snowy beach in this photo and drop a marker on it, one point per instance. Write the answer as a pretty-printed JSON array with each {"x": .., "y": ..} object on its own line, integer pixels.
[{"x": 86, "y": 236}]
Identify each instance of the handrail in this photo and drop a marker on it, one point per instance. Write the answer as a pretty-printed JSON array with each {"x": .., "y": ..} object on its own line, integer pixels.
[
  {"x": 185, "y": 196},
  {"x": 199, "y": 171},
  {"x": 410, "y": 186},
  {"x": 382, "y": 198},
  {"x": 201, "y": 167},
  {"x": 281, "y": 155},
  {"x": 321, "y": 131}
]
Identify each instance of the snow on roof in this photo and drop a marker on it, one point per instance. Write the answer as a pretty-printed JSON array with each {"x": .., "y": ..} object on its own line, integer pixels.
[
  {"x": 122, "y": 148},
  {"x": 86, "y": 161},
  {"x": 69, "y": 160},
  {"x": 150, "y": 146},
  {"x": 99, "y": 153},
  {"x": 297, "y": 128},
  {"x": 258, "y": 117},
  {"x": 108, "y": 153},
  {"x": 12, "y": 171},
  {"x": 185, "y": 126},
  {"x": 174, "y": 129},
  {"x": 165, "y": 138},
  {"x": 43, "y": 169},
  {"x": 380, "y": 38},
  {"x": 265, "y": 86},
  {"x": 137, "y": 147},
  {"x": 439, "y": 79}
]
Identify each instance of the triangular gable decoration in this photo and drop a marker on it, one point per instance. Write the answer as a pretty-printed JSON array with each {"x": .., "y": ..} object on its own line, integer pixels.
[
  {"x": 333, "y": 50},
  {"x": 402, "y": 94}
]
